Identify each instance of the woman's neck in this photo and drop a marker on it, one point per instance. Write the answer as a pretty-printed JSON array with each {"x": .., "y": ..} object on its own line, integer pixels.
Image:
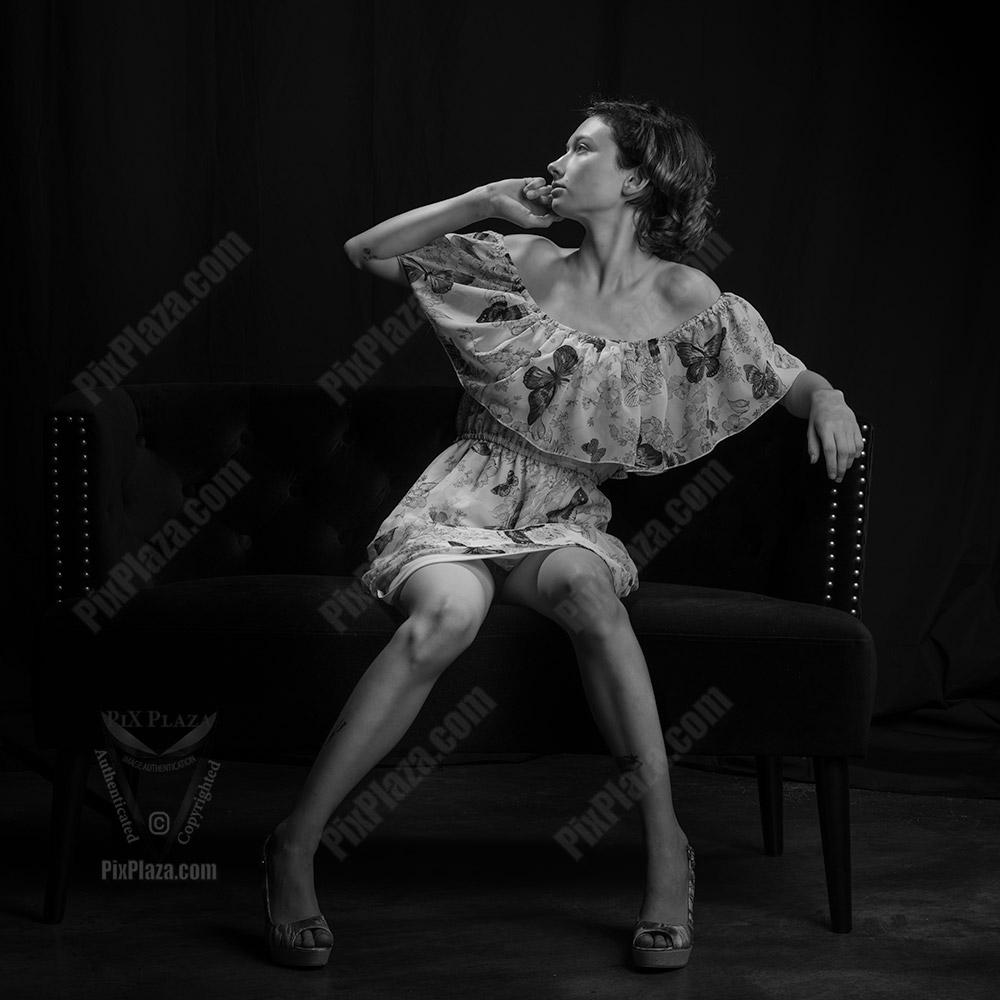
[{"x": 609, "y": 260}]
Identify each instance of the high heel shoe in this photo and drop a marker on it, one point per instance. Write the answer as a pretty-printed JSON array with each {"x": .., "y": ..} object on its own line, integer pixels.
[
  {"x": 280, "y": 938},
  {"x": 680, "y": 938}
]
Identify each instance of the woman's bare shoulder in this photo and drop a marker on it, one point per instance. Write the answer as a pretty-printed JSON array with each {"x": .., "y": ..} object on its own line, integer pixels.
[{"x": 687, "y": 289}]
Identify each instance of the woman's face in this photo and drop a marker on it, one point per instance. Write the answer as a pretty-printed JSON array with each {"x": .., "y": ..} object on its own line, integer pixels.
[{"x": 585, "y": 178}]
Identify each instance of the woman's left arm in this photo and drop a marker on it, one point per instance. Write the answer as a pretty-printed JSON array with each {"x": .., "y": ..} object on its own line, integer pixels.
[{"x": 833, "y": 428}]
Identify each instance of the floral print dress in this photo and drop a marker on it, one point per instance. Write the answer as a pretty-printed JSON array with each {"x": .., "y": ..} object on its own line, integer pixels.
[{"x": 550, "y": 412}]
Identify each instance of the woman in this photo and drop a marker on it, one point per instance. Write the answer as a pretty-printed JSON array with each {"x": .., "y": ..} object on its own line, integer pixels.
[{"x": 578, "y": 365}]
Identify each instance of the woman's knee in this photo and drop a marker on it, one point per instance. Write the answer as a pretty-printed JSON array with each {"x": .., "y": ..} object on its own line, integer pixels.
[
  {"x": 446, "y": 625},
  {"x": 581, "y": 593},
  {"x": 444, "y": 615}
]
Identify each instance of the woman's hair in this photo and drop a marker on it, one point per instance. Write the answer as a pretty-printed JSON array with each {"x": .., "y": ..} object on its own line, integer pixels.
[{"x": 673, "y": 215}]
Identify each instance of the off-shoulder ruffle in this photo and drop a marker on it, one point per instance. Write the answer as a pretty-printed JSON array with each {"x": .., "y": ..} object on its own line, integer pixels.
[{"x": 645, "y": 406}]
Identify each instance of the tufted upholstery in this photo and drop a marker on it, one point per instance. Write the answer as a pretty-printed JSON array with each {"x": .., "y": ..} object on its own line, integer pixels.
[{"x": 751, "y": 576}]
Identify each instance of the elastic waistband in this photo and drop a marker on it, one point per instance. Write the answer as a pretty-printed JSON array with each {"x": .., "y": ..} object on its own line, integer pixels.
[{"x": 517, "y": 444}]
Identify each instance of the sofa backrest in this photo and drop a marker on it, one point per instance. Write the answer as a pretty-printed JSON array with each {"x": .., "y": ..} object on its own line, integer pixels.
[{"x": 174, "y": 481}]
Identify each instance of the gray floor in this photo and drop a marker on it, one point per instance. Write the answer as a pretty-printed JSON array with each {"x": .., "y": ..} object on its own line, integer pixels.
[{"x": 462, "y": 892}]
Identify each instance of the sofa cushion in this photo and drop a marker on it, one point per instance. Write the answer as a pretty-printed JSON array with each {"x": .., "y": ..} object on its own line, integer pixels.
[{"x": 260, "y": 646}]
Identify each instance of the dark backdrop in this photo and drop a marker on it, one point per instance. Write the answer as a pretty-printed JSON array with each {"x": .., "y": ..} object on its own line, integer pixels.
[{"x": 856, "y": 176}]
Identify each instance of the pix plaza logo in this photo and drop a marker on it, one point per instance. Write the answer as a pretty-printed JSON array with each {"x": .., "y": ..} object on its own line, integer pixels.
[{"x": 163, "y": 755}]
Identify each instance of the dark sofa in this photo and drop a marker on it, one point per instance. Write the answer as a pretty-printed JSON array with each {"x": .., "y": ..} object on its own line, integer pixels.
[{"x": 255, "y": 503}]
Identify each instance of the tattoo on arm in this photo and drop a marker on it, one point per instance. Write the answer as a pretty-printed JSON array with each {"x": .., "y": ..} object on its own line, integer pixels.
[{"x": 366, "y": 252}]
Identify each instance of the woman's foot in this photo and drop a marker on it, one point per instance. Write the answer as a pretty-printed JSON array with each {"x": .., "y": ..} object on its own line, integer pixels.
[
  {"x": 666, "y": 897},
  {"x": 291, "y": 887}
]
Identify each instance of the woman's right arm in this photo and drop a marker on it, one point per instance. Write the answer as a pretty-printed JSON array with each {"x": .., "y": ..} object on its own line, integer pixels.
[{"x": 376, "y": 249}]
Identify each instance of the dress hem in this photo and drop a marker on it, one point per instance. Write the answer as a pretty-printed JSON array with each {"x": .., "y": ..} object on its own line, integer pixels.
[{"x": 401, "y": 577}]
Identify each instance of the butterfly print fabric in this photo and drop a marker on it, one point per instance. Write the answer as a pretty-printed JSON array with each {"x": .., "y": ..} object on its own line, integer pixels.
[{"x": 550, "y": 412}]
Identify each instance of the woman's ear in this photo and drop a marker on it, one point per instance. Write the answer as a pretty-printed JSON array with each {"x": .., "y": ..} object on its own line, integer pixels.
[{"x": 634, "y": 183}]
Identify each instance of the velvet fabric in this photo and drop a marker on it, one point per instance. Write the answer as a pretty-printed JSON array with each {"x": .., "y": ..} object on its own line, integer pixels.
[{"x": 756, "y": 597}]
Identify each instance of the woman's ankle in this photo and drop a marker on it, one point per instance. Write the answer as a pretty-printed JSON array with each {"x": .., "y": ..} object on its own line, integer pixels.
[
  {"x": 289, "y": 838},
  {"x": 667, "y": 841}
]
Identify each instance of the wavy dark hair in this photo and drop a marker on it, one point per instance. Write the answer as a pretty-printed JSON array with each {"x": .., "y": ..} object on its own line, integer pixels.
[{"x": 673, "y": 216}]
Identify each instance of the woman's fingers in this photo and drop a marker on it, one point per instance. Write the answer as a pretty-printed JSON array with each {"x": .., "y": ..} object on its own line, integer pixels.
[
  {"x": 833, "y": 432},
  {"x": 539, "y": 192},
  {"x": 812, "y": 443},
  {"x": 824, "y": 442},
  {"x": 840, "y": 451},
  {"x": 537, "y": 189},
  {"x": 534, "y": 221}
]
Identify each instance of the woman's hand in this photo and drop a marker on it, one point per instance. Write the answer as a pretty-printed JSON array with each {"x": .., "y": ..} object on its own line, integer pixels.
[
  {"x": 834, "y": 431},
  {"x": 525, "y": 201}
]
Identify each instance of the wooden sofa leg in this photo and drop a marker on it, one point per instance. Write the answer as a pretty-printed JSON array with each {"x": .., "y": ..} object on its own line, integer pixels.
[
  {"x": 67, "y": 799},
  {"x": 769, "y": 791},
  {"x": 833, "y": 799}
]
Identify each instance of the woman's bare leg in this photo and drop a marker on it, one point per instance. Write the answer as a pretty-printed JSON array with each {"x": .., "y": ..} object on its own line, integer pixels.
[
  {"x": 445, "y": 605},
  {"x": 573, "y": 586}
]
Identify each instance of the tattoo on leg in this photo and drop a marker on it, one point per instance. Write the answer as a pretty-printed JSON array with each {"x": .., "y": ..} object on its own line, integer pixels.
[
  {"x": 340, "y": 723},
  {"x": 366, "y": 253},
  {"x": 630, "y": 762}
]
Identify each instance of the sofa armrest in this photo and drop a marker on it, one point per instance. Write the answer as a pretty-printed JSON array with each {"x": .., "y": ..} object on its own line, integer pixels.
[
  {"x": 86, "y": 446},
  {"x": 753, "y": 515},
  {"x": 822, "y": 556}
]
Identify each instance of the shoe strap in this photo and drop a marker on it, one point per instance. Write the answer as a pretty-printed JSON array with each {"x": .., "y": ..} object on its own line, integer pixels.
[
  {"x": 679, "y": 937},
  {"x": 284, "y": 935}
]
